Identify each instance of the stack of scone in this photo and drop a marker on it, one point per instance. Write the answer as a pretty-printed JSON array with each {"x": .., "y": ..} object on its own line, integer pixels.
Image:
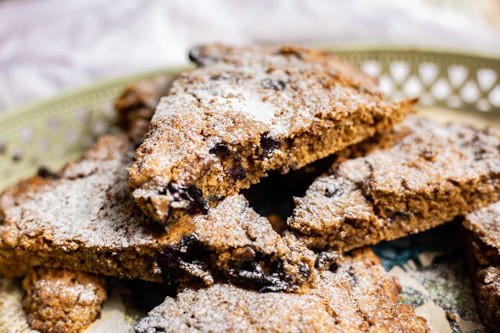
[{"x": 159, "y": 200}]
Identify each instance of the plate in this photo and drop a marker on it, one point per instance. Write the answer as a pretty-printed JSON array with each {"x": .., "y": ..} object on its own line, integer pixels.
[{"x": 458, "y": 87}]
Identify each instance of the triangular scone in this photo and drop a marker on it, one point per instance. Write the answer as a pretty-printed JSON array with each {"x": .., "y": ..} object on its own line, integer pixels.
[
  {"x": 84, "y": 219},
  {"x": 434, "y": 173},
  {"x": 483, "y": 251},
  {"x": 356, "y": 295},
  {"x": 246, "y": 111}
]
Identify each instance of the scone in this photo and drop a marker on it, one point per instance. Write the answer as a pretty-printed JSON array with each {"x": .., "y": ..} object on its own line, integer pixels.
[
  {"x": 355, "y": 295},
  {"x": 244, "y": 112},
  {"x": 136, "y": 105},
  {"x": 62, "y": 301},
  {"x": 83, "y": 218},
  {"x": 483, "y": 248},
  {"x": 429, "y": 176}
]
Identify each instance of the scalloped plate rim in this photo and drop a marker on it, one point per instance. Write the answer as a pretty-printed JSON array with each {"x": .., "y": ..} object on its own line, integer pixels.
[{"x": 98, "y": 85}]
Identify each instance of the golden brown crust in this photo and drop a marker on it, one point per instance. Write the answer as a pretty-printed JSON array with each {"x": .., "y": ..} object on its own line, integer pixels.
[
  {"x": 487, "y": 290},
  {"x": 135, "y": 107},
  {"x": 78, "y": 218},
  {"x": 14, "y": 268},
  {"x": 240, "y": 243},
  {"x": 379, "y": 142},
  {"x": 485, "y": 225},
  {"x": 356, "y": 295},
  {"x": 247, "y": 111},
  {"x": 485, "y": 274},
  {"x": 62, "y": 301},
  {"x": 483, "y": 250},
  {"x": 427, "y": 178}
]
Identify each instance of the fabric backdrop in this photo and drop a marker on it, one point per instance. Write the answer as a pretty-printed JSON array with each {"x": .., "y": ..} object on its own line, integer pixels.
[{"x": 54, "y": 45}]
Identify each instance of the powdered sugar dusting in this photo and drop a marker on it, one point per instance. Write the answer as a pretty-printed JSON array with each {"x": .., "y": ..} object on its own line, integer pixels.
[
  {"x": 235, "y": 98},
  {"x": 89, "y": 205},
  {"x": 87, "y": 211},
  {"x": 245, "y": 246},
  {"x": 282, "y": 93},
  {"x": 77, "y": 292},
  {"x": 485, "y": 223},
  {"x": 339, "y": 301},
  {"x": 432, "y": 174},
  {"x": 232, "y": 224}
]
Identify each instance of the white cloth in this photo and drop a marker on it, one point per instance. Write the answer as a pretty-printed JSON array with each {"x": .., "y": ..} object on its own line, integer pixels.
[{"x": 50, "y": 46}]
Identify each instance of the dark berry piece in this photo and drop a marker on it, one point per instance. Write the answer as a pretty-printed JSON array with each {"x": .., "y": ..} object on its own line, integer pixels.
[
  {"x": 400, "y": 214},
  {"x": 164, "y": 190},
  {"x": 353, "y": 280},
  {"x": 197, "y": 196},
  {"x": 213, "y": 198},
  {"x": 305, "y": 271},
  {"x": 337, "y": 192},
  {"x": 190, "y": 193},
  {"x": 199, "y": 57},
  {"x": 188, "y": 251},
  {"x": 220, "y": 77},
  {"x": 237, "y": 172},
  {"x": 46, "y": 173},
  {"x": 327, "y": 260},
  {"x": 219, "y": 149},
  {"x": 274, "y": 84},
  {"x": 252, "y": 274},
  {"x": 268, "y": 144}
]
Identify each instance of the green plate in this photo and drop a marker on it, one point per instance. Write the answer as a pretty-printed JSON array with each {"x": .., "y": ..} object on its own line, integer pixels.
[{"x": 462, "y": 87}]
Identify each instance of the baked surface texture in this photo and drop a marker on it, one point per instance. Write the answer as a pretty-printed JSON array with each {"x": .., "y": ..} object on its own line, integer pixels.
[
  {"x": 137, "y": 104},
  {"x": 356, "y": 294},
  {"x": 62, "y": 301},
  {"x": 84, "y": 219},
  {"x": 483, "y": 245},
  {"x": 429, "y": 176},
  {"x": 485, "y": 225},
  {"x": 244, "y": 112}
]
